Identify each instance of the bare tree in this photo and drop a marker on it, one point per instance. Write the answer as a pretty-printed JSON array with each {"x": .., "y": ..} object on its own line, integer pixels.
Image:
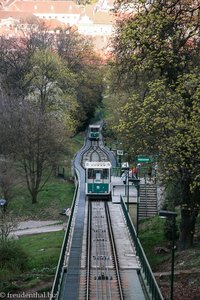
[
  {"x": 32, "y": 139},
  {"x": 7, "y": 224},
  {"x": 8, "y": 178}
]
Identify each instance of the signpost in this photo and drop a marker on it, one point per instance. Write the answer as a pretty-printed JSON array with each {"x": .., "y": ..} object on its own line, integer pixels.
[
  {"x": 120, "y": 152},
  {"x": 144, "y": 159}
]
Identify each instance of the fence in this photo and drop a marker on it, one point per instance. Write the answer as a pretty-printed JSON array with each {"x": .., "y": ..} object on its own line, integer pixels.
[
  {"x": 146, "y": 269},
  {"x": 60, "y": 269}
]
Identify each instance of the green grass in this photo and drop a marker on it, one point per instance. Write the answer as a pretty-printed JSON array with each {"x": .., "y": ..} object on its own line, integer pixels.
[
  {"x": 151, "y": 236},
  {"x": 43, "y": 252},
  {"x": 74, "y": 146},
  {"x": 56, "y": 195}
]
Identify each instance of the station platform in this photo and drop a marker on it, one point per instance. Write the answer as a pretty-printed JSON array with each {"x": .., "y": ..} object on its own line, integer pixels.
[
  {"x": 128, "y": 261},
  {"x": 125, "y": 248},
  {"x": 118, "y": 189}
]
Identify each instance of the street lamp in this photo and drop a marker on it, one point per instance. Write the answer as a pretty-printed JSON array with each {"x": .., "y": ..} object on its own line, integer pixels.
[
  {"x": 116, "y": 147},
  {"x": 127, "y": 181},
  {"x": 136, "y": 183},
  {"x": 2, "y": 206},
  {"x": 125, "y": 168},
  {"x": 172, "y": 215},
  {"x": 120, "y": 154},
  {"x": 2, "y": 203}
]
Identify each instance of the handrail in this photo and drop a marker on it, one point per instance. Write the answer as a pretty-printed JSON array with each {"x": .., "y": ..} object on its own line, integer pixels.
[
  {"x": 59, "y": 271},
  {"x": 116, "y": 171},
  {"x": 151, "y": 282}
]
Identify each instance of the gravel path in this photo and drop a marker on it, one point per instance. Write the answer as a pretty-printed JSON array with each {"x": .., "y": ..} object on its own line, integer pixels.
[{"x": 34, "y": 227}]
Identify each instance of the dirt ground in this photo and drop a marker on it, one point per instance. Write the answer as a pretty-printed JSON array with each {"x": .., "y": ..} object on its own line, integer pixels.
[
  {"x": 186, "y": 286},
  {"x": 186, "y": 276}
]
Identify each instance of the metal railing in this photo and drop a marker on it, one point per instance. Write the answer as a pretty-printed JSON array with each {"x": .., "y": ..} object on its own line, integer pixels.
[
  {"x": 116, "y": 171},
  {"x": 59, "y": 272},
  {"x": 146, "y": 269}
]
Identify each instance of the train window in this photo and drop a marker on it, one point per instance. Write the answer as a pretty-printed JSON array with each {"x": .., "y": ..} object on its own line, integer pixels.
[
  {"x": 98, "y": 174},
  {"x": 105, "y": 173},
  {"x": 91, "y": 174},
  {"x": 94, "y": 129}
]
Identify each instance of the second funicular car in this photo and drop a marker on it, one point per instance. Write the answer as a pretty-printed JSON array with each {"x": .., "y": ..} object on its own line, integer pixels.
[{"x": 94, "y": 131}]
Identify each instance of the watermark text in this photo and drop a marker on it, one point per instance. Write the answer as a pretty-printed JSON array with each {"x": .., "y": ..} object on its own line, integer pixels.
[{"x": 26, "y": 295}]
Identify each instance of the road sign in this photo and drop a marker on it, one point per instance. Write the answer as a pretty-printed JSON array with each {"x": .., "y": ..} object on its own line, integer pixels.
[
  {"x": 120, "y": 152},
  {"x": 143, "y": 158}
]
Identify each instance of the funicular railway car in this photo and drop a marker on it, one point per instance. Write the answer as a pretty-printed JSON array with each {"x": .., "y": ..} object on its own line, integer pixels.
[
  {"x": 94, "y": 131},
  {"x": 98, "y": 178}
]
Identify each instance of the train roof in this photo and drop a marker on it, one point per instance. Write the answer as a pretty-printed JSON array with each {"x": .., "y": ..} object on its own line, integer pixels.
[
  {"x": 98, "y": 165},
  {"x": 94, "y": 126}
]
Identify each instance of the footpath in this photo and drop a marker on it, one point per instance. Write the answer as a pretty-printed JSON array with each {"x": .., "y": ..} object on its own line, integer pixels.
[{"x": 35, "y": 227}]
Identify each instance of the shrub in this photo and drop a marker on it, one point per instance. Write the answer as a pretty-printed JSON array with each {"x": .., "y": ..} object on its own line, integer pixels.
[
  {"x": 168, "y": 230},
  {"x": 12, "y": 256}
]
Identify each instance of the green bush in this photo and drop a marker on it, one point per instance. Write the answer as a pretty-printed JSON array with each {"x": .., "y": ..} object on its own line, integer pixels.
[
  {"x": 12, "y": 256},
  {"x": 168, "y": 230}
]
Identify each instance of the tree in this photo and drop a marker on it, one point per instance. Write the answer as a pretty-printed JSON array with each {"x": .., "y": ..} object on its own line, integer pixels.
[
  {"x": 161, "y": 37},
  {"x": 33, "y": 139},
  {"x": 8, "y": 178},
  {"x": 7, "y": 225},
  {"x": 75, "y": 49},
  {"x": 24, "y": 61},
  {"x": 13, "y": 65},
  {"x": 80, "y": 57},
  {"x": 156, "y": 52},
  {"x": 40, "y": 141},
  {"x": 51, "y": 86}
]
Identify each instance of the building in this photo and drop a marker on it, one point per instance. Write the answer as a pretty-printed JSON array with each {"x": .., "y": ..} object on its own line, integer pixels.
[{"x": 95, "y": 21}]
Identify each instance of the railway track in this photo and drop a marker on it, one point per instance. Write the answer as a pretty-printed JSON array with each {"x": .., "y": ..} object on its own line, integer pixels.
[
  {"x": 102, "y": 277},
  {"x": 88, "y": 266},
  {"x": 94, "y": 153}
]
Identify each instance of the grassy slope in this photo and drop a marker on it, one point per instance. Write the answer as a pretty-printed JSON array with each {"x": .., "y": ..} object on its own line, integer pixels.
[
  {"x": 43, "y": 249},
  {"x": 57, "y": 194},
  {"x": 151, "y": 236},
  {"x": 186, "y": 266}
]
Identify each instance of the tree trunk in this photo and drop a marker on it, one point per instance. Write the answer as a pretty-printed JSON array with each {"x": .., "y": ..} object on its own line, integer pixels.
[
  {"x": 189, "y": 213},
  {"x": 34, "y": 197},
  {"x": 187, "y": 227}
]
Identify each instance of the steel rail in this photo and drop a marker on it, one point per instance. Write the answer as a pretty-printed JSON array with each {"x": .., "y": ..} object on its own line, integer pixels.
[
  {"x": 88, "y": 257},
  {"x": 105, "y": 284},
  {"x": 88, "y": 155},
  {"x": 101, "y": 247},
  {"x": 114, "y": 251}
]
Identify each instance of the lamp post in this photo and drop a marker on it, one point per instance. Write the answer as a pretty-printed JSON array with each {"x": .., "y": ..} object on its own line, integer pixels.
[
  {"x": 2, "y": 206},
  {"x": 116, "y": 156},
  {"x": 172, "y": 215},
  {"x": 136, "y": 183},
  {"x": 120, "y": 154},
  {"x": 126, "y": 182},
  {"x": 2, "y": 203},
  {"x": 127, "y": 178}
]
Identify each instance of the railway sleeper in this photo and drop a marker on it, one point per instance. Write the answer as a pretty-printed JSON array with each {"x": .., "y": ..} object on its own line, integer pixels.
[
  {"x": 103, "y": 277},
  {"x": 101, "y": 257}
]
